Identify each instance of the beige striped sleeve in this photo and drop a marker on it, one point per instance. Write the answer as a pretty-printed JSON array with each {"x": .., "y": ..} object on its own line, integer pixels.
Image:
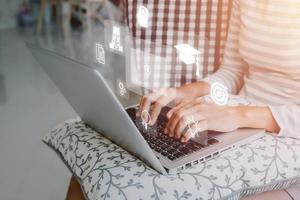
[
  {"x": 233, "y": 68},
  {"x": 288, "y": 119}
]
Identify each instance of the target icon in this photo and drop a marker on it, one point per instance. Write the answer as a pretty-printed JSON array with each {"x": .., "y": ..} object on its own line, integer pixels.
[{"x": 219, "y": 94}]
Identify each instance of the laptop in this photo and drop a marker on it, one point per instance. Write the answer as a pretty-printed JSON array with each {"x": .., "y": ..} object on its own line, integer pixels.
[{"x": 91, "y": 97}]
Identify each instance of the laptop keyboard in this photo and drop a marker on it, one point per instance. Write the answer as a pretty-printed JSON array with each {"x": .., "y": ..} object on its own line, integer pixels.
[{"x": 162, "y": 143}]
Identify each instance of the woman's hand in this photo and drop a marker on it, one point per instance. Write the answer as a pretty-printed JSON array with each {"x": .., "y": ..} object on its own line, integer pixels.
[
  {"x": 154, "y": 102},
  {"x": 204, "y": 116}
]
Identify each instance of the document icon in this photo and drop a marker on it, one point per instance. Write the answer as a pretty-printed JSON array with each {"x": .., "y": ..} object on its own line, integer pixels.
[
  {"x": 115, "y": 43},
  {"x": 100, "y": 53}
]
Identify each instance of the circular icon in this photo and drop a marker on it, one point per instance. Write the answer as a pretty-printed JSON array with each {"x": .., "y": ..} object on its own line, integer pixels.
[
  {"x": 146, "y": 118},
  {"x": 122, "y": 92},
  {"x": 219, "y": 94},
  {"x": 122, "y": 88}
]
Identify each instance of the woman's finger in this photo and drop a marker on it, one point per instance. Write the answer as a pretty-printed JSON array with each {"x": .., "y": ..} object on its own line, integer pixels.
[
  {"x": 147, "y": 100},
  {"x": 186, "y": 109},
  {"x": 183, "y": 103},
  {"x": 194, "y": 129},
  {"x": 187, "y": 121},
  {"x": 186, "y": 136},
  {"x": 157, "y": 106}
]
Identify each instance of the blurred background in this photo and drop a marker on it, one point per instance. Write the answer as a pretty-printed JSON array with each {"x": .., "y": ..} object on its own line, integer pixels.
[{"x": 30, "y": 104}]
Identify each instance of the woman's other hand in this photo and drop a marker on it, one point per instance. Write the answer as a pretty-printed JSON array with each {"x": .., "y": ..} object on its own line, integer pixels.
[{"x": 204, "y": 116}]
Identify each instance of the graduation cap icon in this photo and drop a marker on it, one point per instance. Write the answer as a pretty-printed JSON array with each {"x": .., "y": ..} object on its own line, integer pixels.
[{"x": 187, "y": 53}]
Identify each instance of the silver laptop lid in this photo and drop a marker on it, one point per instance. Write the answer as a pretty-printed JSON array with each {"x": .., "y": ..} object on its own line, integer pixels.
[{"x": 90, "y": 96}]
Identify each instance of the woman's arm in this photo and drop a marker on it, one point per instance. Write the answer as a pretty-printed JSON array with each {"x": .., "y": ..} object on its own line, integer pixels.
[
  {"x": 288, "y": 119},
  {"x": 283, "y": 120},
  {"x": 233, "y": 68},
  {"x": 209, "y": 116},
  {"x": 257, "y": 117}
]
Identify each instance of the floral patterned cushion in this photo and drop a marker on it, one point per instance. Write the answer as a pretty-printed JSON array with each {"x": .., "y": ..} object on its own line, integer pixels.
[{"x": 106, "y": 171}]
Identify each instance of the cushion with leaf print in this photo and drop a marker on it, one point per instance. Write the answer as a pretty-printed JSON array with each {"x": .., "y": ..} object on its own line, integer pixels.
[{"x": 106, "y": 171}]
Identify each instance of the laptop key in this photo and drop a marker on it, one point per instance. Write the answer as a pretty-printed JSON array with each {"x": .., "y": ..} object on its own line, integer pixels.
[
  {"x": 156, "y": 142},
  {"x": 177, "y": 144},
  {"x": 184, "y": 150},
  {"x": 171, "y": 142},
  {"x": 157, "y": 149},
  {"x": 160, "y": 129},
  {"x": 164, "y": 153},
  {"x": 165, "y": 146},
  {"x": 178, "y": 154},
  {"x": 194, "y": 146},
  {"x": 171, "y": 157},
  {"x": 171, "y": 151}
]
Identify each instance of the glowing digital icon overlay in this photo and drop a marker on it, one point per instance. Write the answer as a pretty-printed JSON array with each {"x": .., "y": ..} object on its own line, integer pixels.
[
  {"x": 219, "y": 93},
  {"x": 115, "y": 43},
  {"x": 100, "y": 53},
  {"x": 122, "y": 88},
  {"x": 146, "y": 118},
  {"x": 147, "y": 70},
  {"x": 189, "y": 55},
  {"x": 143, "y": 16},
  {"x": 193, "y": 126}
]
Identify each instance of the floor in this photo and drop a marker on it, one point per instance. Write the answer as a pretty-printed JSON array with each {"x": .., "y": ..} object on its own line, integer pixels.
[{"x": 30, "y": 105}]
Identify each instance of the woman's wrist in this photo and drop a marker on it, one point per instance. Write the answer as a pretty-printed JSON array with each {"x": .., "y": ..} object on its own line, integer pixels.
[
  {"x": 193, "y": 90},
  {"x": 256, "y": 117},
  {"x": 242, "y": 116}
]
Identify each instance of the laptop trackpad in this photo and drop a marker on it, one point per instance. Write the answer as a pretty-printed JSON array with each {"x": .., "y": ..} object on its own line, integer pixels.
[{"x": 202, "y": 138}]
